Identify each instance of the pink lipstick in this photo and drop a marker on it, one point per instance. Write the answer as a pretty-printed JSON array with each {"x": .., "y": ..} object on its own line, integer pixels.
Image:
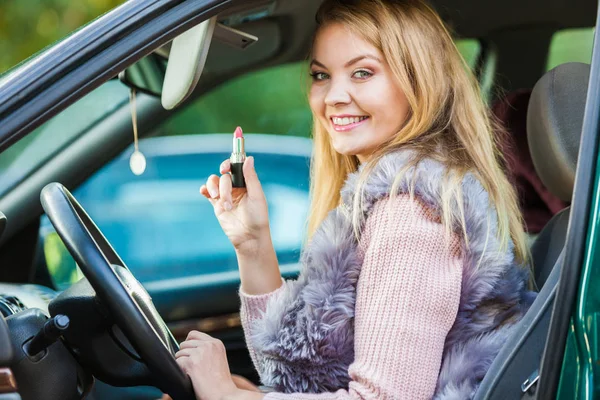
[{"x": 237, "y": 159}]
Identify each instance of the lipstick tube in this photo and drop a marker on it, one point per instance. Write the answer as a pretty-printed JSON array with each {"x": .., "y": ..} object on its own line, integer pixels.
[{"x": 237, "y": 159}]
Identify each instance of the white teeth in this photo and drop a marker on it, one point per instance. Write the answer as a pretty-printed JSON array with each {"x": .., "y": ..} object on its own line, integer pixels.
[{"x": 347, "y": 120}]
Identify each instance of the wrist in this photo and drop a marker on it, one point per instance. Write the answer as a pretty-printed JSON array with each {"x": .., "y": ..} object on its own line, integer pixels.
[
  {"x": 256, "y": 248},
  {"x": 258, "y": 266}
]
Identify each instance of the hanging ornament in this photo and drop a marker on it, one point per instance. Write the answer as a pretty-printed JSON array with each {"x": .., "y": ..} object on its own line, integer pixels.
[{"x": 137, "y": 161}]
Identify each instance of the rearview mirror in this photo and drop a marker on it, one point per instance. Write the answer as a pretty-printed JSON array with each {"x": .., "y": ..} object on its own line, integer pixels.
[
  {"x": 147, "y": 75},
  {"x": 173, "y": 71}
]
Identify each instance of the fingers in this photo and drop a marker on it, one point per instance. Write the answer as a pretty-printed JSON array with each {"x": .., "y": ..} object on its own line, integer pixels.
[
  {"x": 189, "y": 344},
  {"x": 197, "y": 335},
  {"x": 204, "y": 192},
  {"x": 185, "y": 352},
  {"x": 225, "y": 167},
  {"x": 212, "y": 185},
  {"x": 219, "y": 190},
  {"x": 252, "y": 183},
  {"x": 225, "y": 187},
  {"x": 196, "y": 340}
]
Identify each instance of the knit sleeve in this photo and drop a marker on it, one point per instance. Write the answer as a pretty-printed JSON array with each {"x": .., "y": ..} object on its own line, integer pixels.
[
  {"x": 407, "y": 299},
  {"x": 252, "y": 307}
]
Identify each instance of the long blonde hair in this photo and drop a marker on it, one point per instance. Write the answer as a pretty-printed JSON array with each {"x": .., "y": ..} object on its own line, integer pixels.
[{"x": 447, "y": 118}]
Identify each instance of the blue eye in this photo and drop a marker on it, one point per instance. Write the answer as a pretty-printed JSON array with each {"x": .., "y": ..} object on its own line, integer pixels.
[
  {"x": 319, "y": 76},
  {"x": 362, "y": 74}
]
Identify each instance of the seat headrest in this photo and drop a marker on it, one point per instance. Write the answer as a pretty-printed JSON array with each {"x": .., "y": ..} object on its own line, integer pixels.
[{"x": 554, "y": 122}]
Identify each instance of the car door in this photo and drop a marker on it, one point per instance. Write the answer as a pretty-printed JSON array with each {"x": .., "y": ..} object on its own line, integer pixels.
[{"x": 569, "y": 364}]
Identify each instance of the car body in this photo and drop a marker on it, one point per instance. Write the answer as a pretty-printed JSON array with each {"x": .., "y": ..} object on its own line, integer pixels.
[{"x": 67, "y": 100}]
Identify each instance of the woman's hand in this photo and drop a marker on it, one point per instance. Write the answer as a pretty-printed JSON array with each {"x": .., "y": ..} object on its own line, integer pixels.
[
  {"x": 242, "y": 212},
  {"x": 239, "y": 381},
  {"x": 244, "y": 218},
  {"x": 204, "y": 360}
]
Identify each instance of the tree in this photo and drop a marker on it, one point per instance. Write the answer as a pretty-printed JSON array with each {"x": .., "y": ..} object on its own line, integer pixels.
[{"x": 26, "y": 27}]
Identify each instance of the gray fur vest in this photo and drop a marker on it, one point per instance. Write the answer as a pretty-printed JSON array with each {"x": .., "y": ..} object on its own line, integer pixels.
[{"x": 304, "y": 342}]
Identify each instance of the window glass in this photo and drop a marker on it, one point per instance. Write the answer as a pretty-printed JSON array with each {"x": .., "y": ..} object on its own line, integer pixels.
[
  {"x": 163, "y": 228},
  {"x": 250, "y": 101},
  {"x": 36, "y": 148},
  {"x": 570, "y": 45},
  {"x": 272, "y": 100},
  {"x": 470, "y": 50}
]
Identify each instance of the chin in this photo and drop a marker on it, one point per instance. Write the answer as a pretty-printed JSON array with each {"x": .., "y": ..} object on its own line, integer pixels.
[
  {"x": 345, "y": 152},
  {"x": 343, "y": 148}
]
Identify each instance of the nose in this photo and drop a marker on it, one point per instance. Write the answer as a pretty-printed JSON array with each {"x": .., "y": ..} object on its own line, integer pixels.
[{"x": 337, "y": 94}]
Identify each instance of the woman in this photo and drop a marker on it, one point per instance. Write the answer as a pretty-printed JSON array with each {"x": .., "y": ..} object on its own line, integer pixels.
[{"x": 415, "y": 271}]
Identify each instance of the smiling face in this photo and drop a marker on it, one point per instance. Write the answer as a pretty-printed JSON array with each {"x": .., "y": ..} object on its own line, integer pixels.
[{"x": 353, "y": 93}]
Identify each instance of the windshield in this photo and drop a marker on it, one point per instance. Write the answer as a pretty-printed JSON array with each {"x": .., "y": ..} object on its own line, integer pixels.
[{"x": 35, "y": 149}]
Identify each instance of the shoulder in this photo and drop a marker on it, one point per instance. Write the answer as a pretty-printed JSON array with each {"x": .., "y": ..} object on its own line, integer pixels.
[
  {"x": 405, "y": 220},
  {"x": 399, "y": 212}
]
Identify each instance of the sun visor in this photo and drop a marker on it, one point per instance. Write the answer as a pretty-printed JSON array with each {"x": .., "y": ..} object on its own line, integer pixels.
[{"x": 186, "y": 61}]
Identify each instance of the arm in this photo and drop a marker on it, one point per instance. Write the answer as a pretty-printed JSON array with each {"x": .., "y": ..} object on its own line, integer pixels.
[
  {"x": 407, "y": 299},
  {"x": 258, "y": 265},
  {"x": 243, "y": 216},
  {"x": 252, "y": 306}
]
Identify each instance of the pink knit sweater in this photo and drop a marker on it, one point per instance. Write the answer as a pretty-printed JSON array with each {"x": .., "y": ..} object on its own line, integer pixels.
[{"x": 407, "y": 298}]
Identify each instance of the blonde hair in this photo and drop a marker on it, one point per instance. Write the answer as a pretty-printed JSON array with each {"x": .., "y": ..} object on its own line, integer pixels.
[{"x": 447, "y": 119}]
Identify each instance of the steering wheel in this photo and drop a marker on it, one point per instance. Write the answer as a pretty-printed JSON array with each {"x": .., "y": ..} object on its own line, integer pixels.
[{"x": 124, "y": 298}]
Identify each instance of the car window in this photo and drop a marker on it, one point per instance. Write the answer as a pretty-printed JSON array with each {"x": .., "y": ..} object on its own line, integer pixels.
[
  {"x": 249, "y": 101},
  {"x": 570, "y": 45},
  {"x": 32, "y": 151},
  {"x": 163, "y": 228}
]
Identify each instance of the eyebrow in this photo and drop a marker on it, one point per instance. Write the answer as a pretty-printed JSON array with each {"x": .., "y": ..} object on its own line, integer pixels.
[{"x": 349, "y": 63}]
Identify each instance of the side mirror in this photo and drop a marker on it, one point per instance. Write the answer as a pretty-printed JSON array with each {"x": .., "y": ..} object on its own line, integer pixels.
[{"x": 172, "y": 72}]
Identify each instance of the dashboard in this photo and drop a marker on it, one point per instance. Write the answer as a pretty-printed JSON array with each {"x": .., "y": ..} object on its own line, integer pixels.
[{"x": 18, "y": 297}]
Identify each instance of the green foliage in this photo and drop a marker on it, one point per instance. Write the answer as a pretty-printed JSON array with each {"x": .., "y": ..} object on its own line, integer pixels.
[
  {"x": 571, "y": 45},
  {"x": 254, "y": 101},
  {"x": 28, "y": 26},
  {"x": 63, "y": 269}
]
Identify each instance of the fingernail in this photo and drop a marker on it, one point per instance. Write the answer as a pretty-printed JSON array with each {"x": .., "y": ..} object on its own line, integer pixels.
[
  {"x": 213, "y": 193},
  {"x": 251, "y": 161},
  {"x": 227, "y": 206}
]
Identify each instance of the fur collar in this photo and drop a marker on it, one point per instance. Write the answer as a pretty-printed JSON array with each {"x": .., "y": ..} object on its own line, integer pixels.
[{"x": 304, "y": 342}]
